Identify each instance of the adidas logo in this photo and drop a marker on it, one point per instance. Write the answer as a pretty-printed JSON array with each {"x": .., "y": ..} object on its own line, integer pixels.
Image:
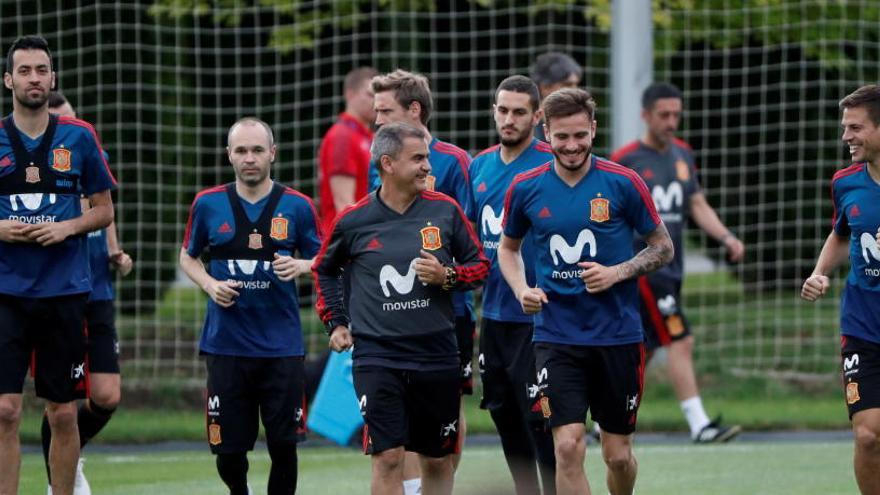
[
  {"x": 5, "y": 162},
  {"x": 374, "y": 244},
  {"x": 854, "y": 211},
  {"x": 225, "y": 228},
  {"x": 482, "y": 187},
  {"x": 544, "y": 213},
  {"x": 647, "y": 174}
]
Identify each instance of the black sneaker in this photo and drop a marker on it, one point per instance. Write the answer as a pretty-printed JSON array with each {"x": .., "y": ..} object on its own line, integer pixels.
[{"x": 714, "y": 432}]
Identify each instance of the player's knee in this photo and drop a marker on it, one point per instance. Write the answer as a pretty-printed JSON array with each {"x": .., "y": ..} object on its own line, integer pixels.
[
  {"x": 61, "y": 417},
  {"x": 569, "y": 450},
  {"x": 437, "y": 466},
  {"x": 867, "y": 439},
  {"x": 619, "y": 460},
  {"x": 388, "y": 460},
  {"x": 107, "y": 399},
  {"x": 10, "y": 416}
]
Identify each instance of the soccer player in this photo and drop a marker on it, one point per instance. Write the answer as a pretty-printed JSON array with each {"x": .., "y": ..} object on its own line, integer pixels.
[
  {"x": 407, "y": 248},
  {"x": 666, "y": 164},
  {"x": 403, "y": 96},
  {"x": 252, "y": 339},
  {"x": 855, "y": 193},
  {"x": 46, "y": 162},
  {"x": 102, "y": 347},
  {"x": 507, "y": 360},
  {"x": 581, "y": 211},
  {"x": 344, "y": 154},
  {"x": 552, "y": 71}
]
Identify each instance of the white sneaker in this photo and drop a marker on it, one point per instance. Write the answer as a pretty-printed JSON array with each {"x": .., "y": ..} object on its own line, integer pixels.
[
  {"x": 50, "y": 490},
  {"x": 81, "y": 484}
]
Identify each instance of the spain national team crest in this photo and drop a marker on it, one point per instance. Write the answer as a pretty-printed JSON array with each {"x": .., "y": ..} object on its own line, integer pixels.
[
  {"x": 675, "y": 325},
  {"x": 545, "y": 407},
  {"x": 431, "y": 239},
  {"x": 682, "y": 171},
  {"x": 600, "y": 210},
  {"x": 61, "y": 160},
  {"x": 32, "y": 175},
  {"x": 279, "y": 228},
  {"x": 255, "y": 240},
  {"x": 214, "y": 434},
  {"x": 852, "y": 393},
  {"x": 431, "y": 180}
]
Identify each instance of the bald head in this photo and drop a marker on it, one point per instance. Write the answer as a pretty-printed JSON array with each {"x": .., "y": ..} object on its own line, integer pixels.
[{"x": 250, "y": 122}]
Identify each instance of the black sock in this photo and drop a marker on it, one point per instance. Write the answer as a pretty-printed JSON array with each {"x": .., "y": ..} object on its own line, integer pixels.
[
  {"x": 233, "y": 470},
  {"x": 91, "y": 418},
  {"x": 283, "y": 474},
  {"x": 517, "y": 446},
  {"x": 46, "y": 437},
  {"x": 542, "y": 438}
]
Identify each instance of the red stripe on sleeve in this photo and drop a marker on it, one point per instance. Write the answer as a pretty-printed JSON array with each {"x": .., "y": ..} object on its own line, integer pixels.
[
  {"x": 637, "y": 181},
  {"x": 91, "y": 129},
  {"x": 188, "y": 232},
  {"x": 624, "y": 150}
]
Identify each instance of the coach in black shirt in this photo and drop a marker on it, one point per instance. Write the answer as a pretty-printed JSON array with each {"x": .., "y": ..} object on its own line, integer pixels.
[{"x": 406, "y": 249}]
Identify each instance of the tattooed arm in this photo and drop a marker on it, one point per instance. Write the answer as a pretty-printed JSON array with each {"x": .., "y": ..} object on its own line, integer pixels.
[{"x": 598, "y": 278}]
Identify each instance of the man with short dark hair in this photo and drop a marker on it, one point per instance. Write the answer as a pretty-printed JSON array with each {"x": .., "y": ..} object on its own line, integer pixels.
[
  {"x": 582, "y": 211},
  {"x": 252, "y": 340},
  {"x": 507, "y": 360},
  {"x": 46, "y": 163},
  {"x": 855, "y": 194},
  {"x": 666, "y": 164},
  {"x": 552, "y": 71},
  {"x": 344, "y": 153},
  {"x": 102, "y": 343},
  {"x": 406, "y": 249}
]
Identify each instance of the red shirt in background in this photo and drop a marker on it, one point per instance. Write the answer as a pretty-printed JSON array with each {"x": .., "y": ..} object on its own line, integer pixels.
[{"x": 345, "y": 150}]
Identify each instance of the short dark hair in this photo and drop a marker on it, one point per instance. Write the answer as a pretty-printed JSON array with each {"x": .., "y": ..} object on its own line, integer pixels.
[
  {"x": 554, "y": 67},
  {"x": 658, "y": 91},
  {"x": 389, "y": 141},
  {"x": 356, "y": 77},
  {"x": 521, "y": 84},
  {"x": 56, "y": 99},
  {"x": 29, "y": 42},
  {"x": 867, "y": 97},
  {"x": 566, "y": 102},
  {"x": 408, "y": 87}
]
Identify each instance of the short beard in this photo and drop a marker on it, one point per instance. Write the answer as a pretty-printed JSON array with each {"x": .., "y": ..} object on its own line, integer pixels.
[
  {"x": 515, "y": 141},
  {"x": 249, "y": 182},
  {"x": 573, "y": 168},
  {"x": 32, "y": 104}
]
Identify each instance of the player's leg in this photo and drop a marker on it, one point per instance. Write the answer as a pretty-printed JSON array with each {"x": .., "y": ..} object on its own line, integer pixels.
[
  {"x": 15, "y": 353},
  {"x": 616, "y": 384},
  {"x": 861, "y": 379},
  {"x": 505, "y": 402},
  {"x": 232, "y": 420},
  {"x": 434, "y": 402},
  {"x": 281, "y": 386},
  {"x": 105, "y": 383},
  {"x": 562, "y": 371},
  {"x": 412, "y": 474},
  {"x": 465, "y": 330},
  {"x": 64, "y": 450},
  {"x": 382, "y": 397},
  {"x": 866, "y": 460}
]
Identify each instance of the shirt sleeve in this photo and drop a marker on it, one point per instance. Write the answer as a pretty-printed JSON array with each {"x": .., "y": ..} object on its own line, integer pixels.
[
  {"x": 839, "y": 222},
  {"x": 639, "y": 209},
  {"x": 341, "y": 155},
  {"x": 327, "y": 273},
  {"x": 308, "y": 233},
  {"x": 472, "y": 266},
  {"x": 96, "y": 175},
  {"x": 462, "y": 187},
  {"x": 516, "y": 222},
  {"x": 195, "y": 238}
]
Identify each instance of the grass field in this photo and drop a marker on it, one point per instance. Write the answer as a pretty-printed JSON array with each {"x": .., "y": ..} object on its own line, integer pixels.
[{"x": 733, "y": 469}]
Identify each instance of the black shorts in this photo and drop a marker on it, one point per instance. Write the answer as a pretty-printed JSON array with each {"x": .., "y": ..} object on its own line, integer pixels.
[
  {"x": 507, "y": 368},
  {"x": 103, "y": 344},
  {"x": 662, "y": 316},
  {"x": 48, "y": 331},
  {"x": 417, "y": 410},
  {"x": 243, "y": 389},
  {"x": 465, "y": 330},
  {"x": 606, "y": 380},
  {"x": 860, "y": 368}
]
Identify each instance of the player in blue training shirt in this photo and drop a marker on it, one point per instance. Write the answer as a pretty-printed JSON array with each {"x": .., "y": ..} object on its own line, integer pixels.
[
  {"x": 46, "y": 163},
  {"x": 507, "y": 360},
  {"x": 402, "y": 96},
  {"x": 250, "y": 230},
  {"x": 855, "y": 194},
  {"x": 581, "y": 211},
  {"x": 102, "y": 343}
]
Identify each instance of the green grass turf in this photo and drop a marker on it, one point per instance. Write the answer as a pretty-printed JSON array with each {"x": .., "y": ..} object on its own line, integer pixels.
[{"x": 733, "y": 469}]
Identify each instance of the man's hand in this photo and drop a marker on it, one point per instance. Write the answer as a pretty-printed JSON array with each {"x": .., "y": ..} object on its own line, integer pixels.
[
  {"x": 598, "y": 278},
  {"x": 49, "y": 233},
  {"x": 532, "y": 300},
  {"x": 122, "y": 262},
  {"x": 429, "y": 269},
  {"x": 222, "y": 292},
  {"x": 735, "y": 249},
  {"x": 340, "y": 339},
  {"x": 13, "y": 231},
  {"x": 288, "y": 268},
  {"x": 815, "y": 287}
]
